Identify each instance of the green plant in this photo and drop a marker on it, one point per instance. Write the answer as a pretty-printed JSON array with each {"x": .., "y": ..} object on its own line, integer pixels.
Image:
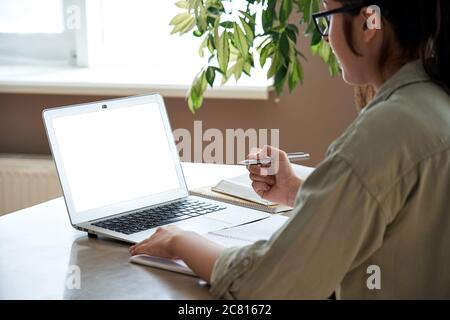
[{"x": 233, "y": 36}]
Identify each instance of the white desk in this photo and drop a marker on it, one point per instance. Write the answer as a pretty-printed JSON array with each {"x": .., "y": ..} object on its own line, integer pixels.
[{"x": 38, "y": 246}]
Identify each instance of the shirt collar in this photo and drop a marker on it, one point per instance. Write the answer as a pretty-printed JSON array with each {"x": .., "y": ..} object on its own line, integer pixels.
[{"x": 409, "y": 74}]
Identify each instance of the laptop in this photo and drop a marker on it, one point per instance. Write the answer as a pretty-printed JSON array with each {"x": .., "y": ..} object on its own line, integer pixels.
[{"x": 121, "y": 175}]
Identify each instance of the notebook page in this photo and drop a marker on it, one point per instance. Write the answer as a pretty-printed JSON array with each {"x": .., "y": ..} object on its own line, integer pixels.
[
  {"x": 240, "y": 190},
  {"x": 255, "y": 231}
]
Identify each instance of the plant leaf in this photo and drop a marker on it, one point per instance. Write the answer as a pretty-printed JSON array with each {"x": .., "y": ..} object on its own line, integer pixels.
[
  {"x": 325, "y": 51},
  {"x": 334, "y": 66},
  {"x": 247, "y": 68},
  {"x": 285, "y": 11},
  {"x": 223, "y": 51},
  {"x": 251, "y": 18},
  {"x": 269, "y": 15},
  {"x": 276, "y": 63},
  {"x": 295, "y": 76},
  {"x": 196, "y": 93},
  {"x": 266, "y": 52},
  {"x": 210, "y": 76},
  {"x": 249, "y": 31},
  {"x": 201, "y": 18},
  {"x": 316, "y": 39},
  {"x": 280, "y": 79},
  {"x": 202, "y": 47},
  {"x": 227, "y": 24},
  {"x": 179, "y": 18},
  {"x": 238, "y": 68},
  {"x": 182, "y": 4},
  {"x": 284, "y": 49},
  {"x": 184, "y": 26},
  {"x": 210, "y": 44},
  {"x": 240, "y": 41}
]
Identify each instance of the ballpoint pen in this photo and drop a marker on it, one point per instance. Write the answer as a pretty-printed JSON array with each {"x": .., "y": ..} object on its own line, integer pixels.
[{"x": 297, "y": 156}]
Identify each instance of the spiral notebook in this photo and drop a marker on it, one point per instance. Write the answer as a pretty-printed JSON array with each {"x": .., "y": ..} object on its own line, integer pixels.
[
  {"x": 211, "y": 192},
  {"x": 238, "y": 191}
]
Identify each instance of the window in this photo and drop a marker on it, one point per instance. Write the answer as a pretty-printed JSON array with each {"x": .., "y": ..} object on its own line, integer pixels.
[
  {"x": 136, "y": 33},
  {"x": 31, "y": 16},
  {"x": 126, "y": 39},
  {"x": 33, "y": 30}
]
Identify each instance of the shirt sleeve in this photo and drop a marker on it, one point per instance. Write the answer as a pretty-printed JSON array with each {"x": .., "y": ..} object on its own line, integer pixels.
[{"x": 335, "y": 226}]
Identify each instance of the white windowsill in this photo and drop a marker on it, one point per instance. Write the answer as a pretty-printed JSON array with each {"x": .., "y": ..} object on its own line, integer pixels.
[{"x": 116, "y": 82}]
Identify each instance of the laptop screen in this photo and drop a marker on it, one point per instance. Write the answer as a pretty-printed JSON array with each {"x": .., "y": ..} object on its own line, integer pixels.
[{"x": 115, "y": 155}]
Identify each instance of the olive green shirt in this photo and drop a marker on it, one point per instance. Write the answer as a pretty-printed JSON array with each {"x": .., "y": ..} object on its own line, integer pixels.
[{"x": 373, "y": 220}]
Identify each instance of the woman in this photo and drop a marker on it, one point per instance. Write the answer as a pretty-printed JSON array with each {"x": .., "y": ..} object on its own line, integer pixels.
[{"x": 378, "y": 205}]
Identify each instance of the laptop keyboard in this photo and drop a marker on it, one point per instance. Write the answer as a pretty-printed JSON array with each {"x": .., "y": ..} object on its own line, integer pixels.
[{"x": 154, "y": 217}]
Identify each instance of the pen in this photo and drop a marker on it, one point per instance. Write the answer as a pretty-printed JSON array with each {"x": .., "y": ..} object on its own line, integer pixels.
[{"x": 297, "y": 156}]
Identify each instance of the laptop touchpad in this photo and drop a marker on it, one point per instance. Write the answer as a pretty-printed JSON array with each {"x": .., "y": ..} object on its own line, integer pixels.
[{"x": 202, "y": 224}]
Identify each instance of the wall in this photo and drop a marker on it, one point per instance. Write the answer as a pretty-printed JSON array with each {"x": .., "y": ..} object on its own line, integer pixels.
[{"x": 308, "y": 119}]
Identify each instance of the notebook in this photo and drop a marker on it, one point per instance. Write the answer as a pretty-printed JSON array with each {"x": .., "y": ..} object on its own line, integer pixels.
[
  {"x": 238, "y": 191},
  {"x": 238, "y": 236}
]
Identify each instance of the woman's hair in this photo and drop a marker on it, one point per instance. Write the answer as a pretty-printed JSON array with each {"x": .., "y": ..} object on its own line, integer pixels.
[{"x": 421, "y": 29}]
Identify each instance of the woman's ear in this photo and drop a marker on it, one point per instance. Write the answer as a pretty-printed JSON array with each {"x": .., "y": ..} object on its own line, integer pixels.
[{"x": 371, "y": 22}]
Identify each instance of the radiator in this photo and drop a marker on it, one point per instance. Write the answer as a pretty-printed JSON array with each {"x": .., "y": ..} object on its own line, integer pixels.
[{"x": 26, "y": 180}]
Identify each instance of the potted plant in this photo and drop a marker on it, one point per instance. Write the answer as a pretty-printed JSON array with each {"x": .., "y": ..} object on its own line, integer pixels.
[{"x": 232, "y": 35}]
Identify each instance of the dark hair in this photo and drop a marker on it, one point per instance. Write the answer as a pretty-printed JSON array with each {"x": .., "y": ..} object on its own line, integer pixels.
[{"x": 421, "y": 28}]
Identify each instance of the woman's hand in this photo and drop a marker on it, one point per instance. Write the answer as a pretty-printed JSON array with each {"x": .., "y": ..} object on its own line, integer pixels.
[
  {"x": 276, "y": 182},
  {"x": 170, "y": 242},
  {"x": 160, "y": 244}
]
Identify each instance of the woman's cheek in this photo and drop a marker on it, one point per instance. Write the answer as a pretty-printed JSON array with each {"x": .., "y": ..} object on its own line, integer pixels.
[{"x": 338, "y": 45}]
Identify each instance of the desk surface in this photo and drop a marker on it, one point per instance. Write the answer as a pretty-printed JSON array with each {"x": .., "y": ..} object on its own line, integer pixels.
[{"x": 39, "y": 247}]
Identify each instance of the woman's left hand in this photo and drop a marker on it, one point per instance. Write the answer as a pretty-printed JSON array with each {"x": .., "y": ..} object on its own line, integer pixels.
[{"x": 159, "y": 244}]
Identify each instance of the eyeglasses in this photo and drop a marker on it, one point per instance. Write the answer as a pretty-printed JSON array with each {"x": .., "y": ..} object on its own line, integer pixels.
[{"x": 322, "y": 19}]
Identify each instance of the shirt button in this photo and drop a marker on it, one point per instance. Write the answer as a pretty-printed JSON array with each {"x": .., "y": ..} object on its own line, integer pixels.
[{"x": 246, "y": 262}]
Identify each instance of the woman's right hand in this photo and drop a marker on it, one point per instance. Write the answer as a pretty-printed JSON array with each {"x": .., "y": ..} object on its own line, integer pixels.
[{"x": 276, "y": 182}]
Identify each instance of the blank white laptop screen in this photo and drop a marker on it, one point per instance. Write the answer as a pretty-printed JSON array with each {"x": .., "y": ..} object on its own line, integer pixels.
[{"x": 115, "y": 155}]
